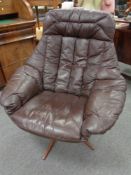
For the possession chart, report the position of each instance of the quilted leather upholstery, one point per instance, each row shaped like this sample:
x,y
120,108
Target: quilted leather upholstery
x,y
56,115
71,87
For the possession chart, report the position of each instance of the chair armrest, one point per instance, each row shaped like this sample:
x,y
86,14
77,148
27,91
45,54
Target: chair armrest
x,y
104,105
23,85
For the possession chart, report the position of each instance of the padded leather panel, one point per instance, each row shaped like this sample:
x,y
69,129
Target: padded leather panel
x,y
76,45
54,115
71,64
80,24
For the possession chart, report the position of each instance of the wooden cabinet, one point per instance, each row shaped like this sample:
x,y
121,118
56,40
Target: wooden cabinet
x,y
52,3
123,45
17,54
17,36
2,79
6,7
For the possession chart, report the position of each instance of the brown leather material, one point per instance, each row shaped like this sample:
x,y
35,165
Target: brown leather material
x,y
80,24
24,84
104,106
52,114
71,87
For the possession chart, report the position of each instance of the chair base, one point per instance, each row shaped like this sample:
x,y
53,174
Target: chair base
x,y
49,148
87,143
53,142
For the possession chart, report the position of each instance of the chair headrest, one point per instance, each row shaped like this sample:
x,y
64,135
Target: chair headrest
x,y
79,23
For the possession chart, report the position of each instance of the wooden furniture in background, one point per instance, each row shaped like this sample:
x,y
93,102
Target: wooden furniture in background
x,y
46,3
17,36
2,79
122,38
51,3
123,44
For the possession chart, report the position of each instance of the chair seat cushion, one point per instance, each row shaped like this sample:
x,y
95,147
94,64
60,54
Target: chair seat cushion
x,y
53,115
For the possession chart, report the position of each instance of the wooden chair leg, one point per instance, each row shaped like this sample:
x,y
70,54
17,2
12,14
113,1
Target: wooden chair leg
x,y
49,148
89,144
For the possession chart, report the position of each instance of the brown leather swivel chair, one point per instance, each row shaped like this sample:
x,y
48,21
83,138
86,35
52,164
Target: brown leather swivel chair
x,y
71,87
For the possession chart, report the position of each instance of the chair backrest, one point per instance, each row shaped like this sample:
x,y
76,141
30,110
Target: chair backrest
x,y
79,44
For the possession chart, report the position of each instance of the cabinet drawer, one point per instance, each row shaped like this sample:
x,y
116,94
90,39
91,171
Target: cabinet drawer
x,y
17,35
11,69
15,52
8,71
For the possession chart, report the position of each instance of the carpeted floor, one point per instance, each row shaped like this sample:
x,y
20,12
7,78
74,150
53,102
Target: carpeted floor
x,y
20,152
